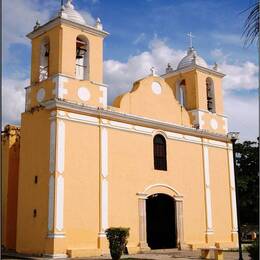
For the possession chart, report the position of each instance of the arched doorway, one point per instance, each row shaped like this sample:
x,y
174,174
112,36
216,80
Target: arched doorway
x,y
160,217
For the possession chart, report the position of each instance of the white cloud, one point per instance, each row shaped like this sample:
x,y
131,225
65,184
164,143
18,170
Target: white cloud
x,y
13,100
217,53
120,76
240,76
228,38
243,114
141,37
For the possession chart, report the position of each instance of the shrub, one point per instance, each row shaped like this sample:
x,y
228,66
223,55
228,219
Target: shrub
x,y
253,250
117,238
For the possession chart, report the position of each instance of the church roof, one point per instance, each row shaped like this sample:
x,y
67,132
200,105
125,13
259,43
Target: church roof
x,y
68,12
192,58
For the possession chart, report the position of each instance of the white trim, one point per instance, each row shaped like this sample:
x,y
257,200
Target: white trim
x,y
51,203
207,188
161,185
104,204
121,125
83,118
60,146
59,91
225,126
52,146
56,235
104,152
103,98
232,190
60,203
132,119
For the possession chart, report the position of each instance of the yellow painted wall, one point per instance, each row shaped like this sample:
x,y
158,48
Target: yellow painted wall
x,y
10,151
34,161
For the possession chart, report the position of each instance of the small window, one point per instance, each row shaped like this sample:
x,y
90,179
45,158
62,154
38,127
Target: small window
x,y
180,93
159,151
81,59
210,95
44,60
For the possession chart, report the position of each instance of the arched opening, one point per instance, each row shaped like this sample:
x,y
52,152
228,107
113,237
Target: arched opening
x,y
210,95
159,152
44,59
82,57
161,223
180,92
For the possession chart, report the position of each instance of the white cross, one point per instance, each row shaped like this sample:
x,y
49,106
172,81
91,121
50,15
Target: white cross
x,y
190,36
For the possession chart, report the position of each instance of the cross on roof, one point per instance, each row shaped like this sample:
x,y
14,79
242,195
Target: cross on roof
x,y
190,36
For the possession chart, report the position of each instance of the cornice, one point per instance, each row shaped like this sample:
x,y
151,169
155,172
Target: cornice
x,y
59,21
193,67
131,119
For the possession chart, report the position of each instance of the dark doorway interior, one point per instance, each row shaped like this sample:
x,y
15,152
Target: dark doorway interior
x,y
161,228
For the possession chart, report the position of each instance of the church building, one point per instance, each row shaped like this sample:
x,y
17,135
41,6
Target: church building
x,y
158,160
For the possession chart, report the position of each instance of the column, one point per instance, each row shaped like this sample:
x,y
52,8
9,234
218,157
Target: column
x,y
234,230
179,221
102,241
56,179
142,222
209,226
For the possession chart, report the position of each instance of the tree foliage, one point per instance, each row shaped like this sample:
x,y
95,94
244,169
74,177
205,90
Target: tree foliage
x,y
247,160
251,26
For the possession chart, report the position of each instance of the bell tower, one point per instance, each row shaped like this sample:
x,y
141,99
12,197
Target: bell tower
x,y
198,90
67,60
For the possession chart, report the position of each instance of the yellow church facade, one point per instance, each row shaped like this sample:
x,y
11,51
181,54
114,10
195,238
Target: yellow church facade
x,y
158,160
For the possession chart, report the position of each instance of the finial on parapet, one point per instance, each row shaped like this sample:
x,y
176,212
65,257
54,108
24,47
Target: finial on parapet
x,y
153,71
169,68
99,25
215,67
37,25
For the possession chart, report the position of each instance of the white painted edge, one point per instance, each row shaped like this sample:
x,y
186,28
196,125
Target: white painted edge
x,y
59,91
51,203
60,203
83,118
103,99
104,204
207,188
60,146
52,146
121,125
104,152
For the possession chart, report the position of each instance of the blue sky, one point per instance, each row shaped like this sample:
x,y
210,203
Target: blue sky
x,y
148,33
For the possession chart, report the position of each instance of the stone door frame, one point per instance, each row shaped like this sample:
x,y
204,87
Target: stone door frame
x,y
143,196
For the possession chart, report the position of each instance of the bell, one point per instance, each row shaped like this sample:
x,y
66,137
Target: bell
x,y
80,53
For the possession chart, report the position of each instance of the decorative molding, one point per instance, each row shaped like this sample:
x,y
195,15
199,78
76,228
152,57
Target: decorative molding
x,y
207,189
225,126
40,95
52,146
214,124
58,21
156,88
60,203
160,185
83,118
121,125
104,152
56,235
103,98
142,129
59,91
51,203
104,203
84,93
232,190
60,146
133,119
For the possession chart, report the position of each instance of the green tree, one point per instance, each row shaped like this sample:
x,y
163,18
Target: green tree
x,y
247,160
